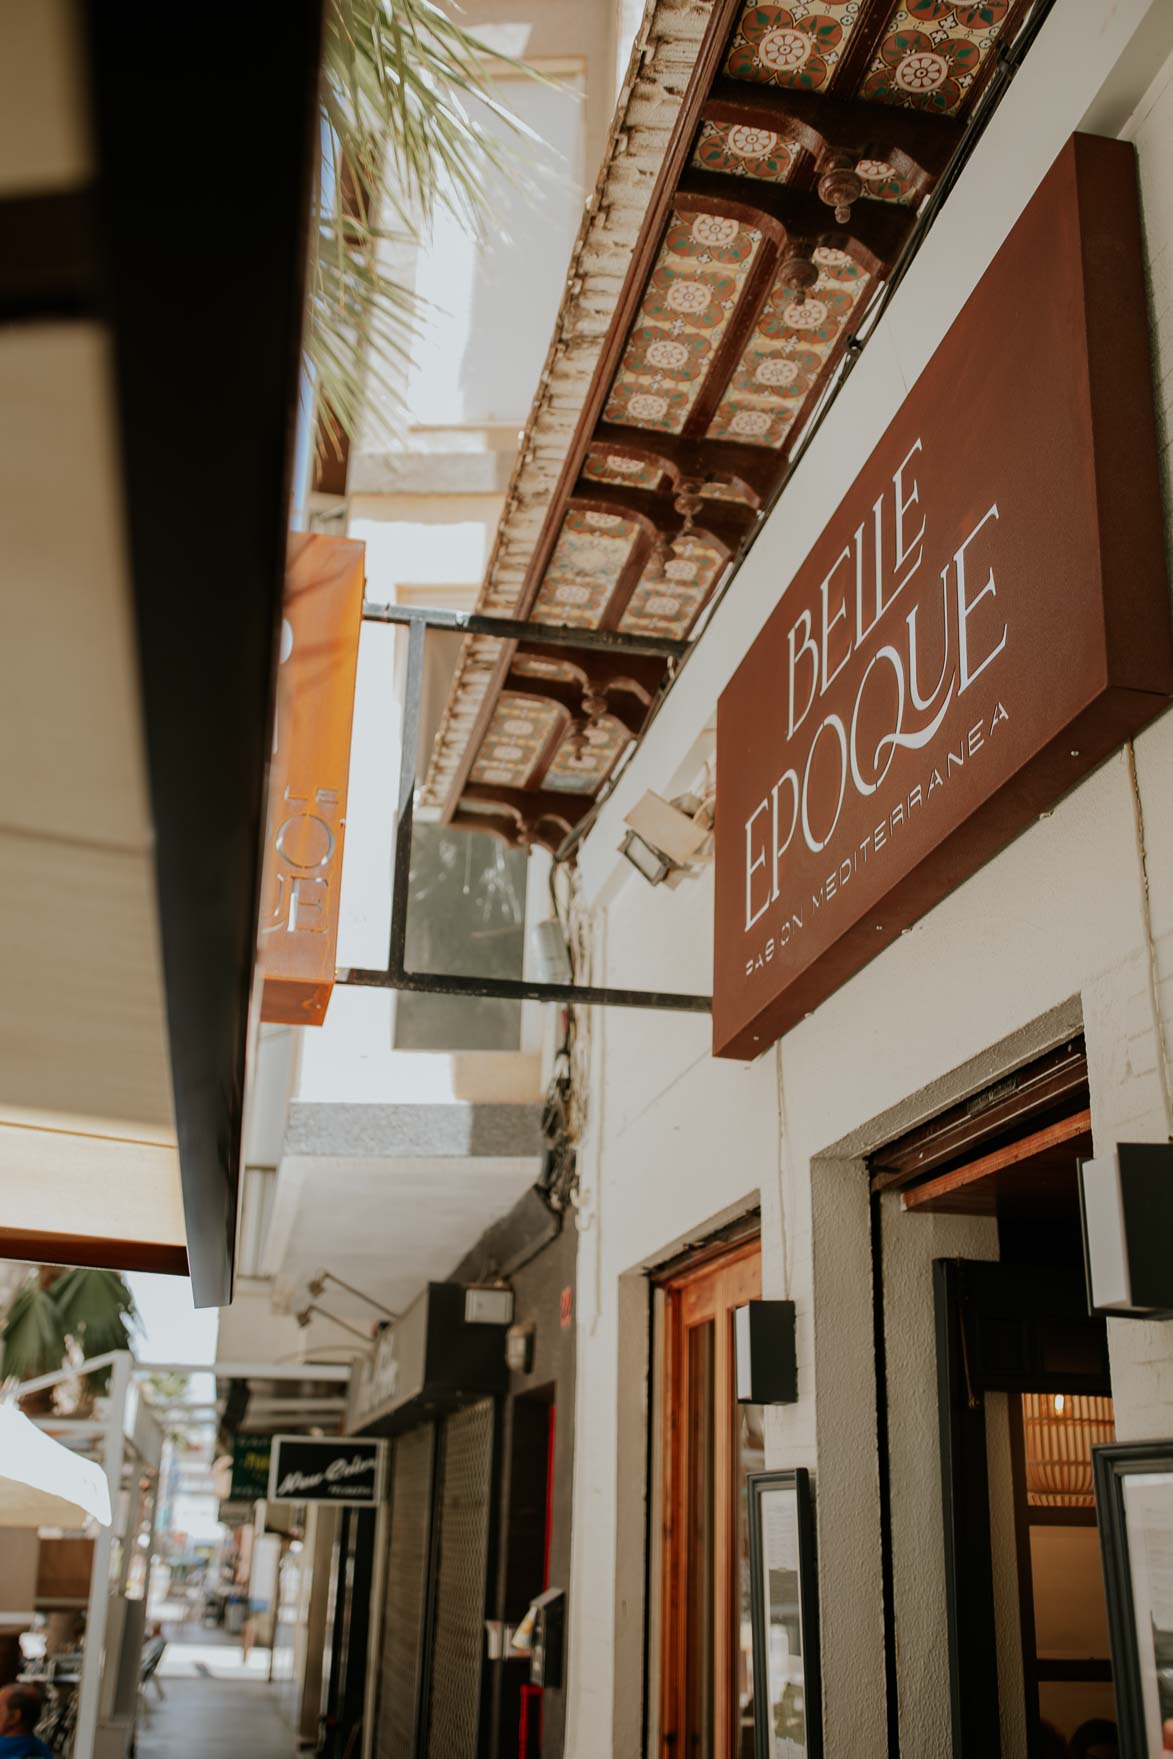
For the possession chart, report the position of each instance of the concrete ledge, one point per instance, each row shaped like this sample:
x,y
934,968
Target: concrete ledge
x,y
413,1132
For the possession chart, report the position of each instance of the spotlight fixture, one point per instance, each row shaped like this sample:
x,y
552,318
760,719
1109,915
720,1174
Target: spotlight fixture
x,y
651,862
667,837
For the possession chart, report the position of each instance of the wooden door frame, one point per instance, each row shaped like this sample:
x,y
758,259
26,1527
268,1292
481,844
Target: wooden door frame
x,y
703,1290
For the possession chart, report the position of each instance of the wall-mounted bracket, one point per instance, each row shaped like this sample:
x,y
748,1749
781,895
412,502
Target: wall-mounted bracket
x,y
419,620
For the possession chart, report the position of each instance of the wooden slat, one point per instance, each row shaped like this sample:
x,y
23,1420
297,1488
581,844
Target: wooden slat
x,y
923,1196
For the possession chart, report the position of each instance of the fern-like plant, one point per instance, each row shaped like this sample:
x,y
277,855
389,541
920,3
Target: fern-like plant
x,y
402,85
57,1311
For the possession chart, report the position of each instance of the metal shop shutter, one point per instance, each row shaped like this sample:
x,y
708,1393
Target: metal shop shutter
x,y
459,1635
406,1593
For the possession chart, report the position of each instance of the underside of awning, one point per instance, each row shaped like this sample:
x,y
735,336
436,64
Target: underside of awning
x,y
154,188
764,184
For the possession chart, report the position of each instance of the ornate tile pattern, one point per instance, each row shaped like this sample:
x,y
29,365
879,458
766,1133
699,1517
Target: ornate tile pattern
x,y
798,45
581,771
631,473
727,492
671,592
786,352
739,151
931,51
534,666
694,290
515,739
589,557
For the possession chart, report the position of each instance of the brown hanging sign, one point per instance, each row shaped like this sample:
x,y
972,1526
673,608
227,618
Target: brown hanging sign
x,y
308,777
983,622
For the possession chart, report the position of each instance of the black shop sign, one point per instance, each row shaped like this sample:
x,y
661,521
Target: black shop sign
x,y
334,1469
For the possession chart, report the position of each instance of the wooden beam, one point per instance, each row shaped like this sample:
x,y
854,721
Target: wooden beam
x,y
757,467
642,676
532,805
723,521
874,236
913,142
926,1195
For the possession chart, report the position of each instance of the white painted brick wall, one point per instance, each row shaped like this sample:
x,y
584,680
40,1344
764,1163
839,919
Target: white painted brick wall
x,y
677,1140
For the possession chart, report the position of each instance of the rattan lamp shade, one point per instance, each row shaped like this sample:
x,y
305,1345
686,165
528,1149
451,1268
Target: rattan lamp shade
x,y
1060,1431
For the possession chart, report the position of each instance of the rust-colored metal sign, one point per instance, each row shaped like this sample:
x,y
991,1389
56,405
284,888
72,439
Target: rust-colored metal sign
x,y
984,621
308,778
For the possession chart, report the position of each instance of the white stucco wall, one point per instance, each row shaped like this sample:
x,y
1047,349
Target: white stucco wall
x,y
1050,932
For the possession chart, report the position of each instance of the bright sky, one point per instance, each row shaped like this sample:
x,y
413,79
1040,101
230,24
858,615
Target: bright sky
x,y
174,1330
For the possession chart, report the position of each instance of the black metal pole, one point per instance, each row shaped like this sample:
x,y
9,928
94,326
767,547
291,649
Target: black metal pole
x,y
517,629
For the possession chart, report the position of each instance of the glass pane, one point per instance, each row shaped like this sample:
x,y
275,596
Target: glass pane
x,y
749,1456
701,1510
465,916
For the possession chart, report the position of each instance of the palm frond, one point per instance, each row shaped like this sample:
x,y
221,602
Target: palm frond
x,y
97,1309
404,93
33,1338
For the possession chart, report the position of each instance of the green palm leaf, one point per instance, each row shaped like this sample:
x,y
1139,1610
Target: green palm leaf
x,y
403,90
98,1312
34,1338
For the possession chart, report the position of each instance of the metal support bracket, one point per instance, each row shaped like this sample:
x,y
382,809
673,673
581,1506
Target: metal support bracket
x,y
397,976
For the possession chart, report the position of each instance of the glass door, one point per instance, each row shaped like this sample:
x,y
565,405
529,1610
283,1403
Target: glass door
x,y
710,1443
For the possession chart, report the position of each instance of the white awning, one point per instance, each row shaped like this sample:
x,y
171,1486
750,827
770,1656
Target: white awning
x,y
43,1484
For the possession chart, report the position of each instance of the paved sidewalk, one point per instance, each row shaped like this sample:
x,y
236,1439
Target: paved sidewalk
x,y
214,1707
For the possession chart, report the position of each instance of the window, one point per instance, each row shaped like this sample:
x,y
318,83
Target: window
x,y
465,916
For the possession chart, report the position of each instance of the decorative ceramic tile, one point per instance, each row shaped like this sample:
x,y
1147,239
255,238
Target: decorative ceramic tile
x,y
739,151
579,769
931,51
631,473
589,557
883,183
797,45
534,666
728,492
515,739
693,292
671,592
790,345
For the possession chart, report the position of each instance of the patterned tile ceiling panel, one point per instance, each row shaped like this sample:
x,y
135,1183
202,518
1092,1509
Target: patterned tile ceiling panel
x,y
671,592
788,349
579,766
796,46
520,731
631,473
739,151
931,52
693,292
717,491
592,551
845,114
534,666
926,56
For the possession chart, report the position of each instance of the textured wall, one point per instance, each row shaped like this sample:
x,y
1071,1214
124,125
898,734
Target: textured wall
x,y
1047,935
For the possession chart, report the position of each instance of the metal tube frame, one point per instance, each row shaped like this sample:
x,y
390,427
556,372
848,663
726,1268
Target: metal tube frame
x,y
419,620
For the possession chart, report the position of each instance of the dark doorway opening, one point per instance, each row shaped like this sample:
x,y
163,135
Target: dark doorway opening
x,y
1024,1392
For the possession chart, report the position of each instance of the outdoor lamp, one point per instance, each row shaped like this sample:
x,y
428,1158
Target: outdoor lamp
x,y
1126,1210
645,859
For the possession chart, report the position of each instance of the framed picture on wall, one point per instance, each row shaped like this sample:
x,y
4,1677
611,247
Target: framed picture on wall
x,y
784,1608
1134,1502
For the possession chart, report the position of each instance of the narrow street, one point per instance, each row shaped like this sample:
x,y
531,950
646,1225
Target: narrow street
x,y
211,1704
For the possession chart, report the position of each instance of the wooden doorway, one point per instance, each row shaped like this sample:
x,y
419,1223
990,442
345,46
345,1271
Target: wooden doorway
x,y
710,1444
